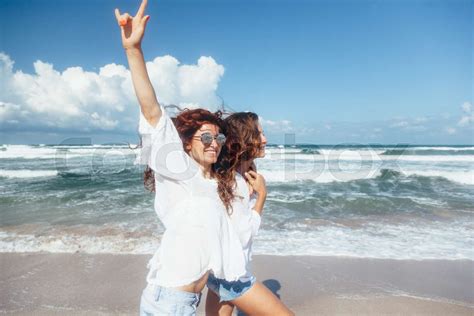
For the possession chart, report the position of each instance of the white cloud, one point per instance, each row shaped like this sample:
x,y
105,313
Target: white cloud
x,y
103,122
466,107
282,126
195,82
7,110
77,99
399,124
468,116
421,119
416,128
465,120
410,124
450,130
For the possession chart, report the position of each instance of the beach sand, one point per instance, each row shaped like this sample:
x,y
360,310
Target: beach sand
x,y
103,284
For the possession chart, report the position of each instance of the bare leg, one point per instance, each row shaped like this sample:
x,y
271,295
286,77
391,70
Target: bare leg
x,y
215,308
259,301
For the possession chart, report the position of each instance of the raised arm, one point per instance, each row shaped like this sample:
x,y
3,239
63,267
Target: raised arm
x,y
133,30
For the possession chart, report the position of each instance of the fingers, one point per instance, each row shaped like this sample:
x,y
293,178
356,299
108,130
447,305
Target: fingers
x,y
144,20
249,177
125,18
141,9
253,173
122,19
117,14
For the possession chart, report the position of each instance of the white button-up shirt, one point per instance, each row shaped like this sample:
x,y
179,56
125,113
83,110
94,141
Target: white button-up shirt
x,y
199,235
246,221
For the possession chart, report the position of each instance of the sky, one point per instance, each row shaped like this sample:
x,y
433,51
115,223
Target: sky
x,y
326,72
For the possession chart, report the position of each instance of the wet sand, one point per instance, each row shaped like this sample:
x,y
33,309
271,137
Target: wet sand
x,y
103,284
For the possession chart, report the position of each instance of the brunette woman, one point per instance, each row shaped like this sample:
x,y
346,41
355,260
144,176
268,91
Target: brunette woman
x,y
245,197
199,235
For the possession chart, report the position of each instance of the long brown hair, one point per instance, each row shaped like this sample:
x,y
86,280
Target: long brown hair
x,y
243,144
187,123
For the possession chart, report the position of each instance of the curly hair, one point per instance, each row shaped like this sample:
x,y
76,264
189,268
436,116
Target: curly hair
x,y
187,123
243,144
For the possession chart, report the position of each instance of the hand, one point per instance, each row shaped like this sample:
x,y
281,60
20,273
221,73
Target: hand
x,y
257,181
132,28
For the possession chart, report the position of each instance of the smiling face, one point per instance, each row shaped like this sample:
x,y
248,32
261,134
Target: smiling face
x,y
205,155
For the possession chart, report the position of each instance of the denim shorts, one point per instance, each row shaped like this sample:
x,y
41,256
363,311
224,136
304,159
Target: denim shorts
x,y
226,290
157,300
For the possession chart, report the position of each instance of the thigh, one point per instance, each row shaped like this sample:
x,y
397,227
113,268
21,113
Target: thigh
x,y
216,308
259,300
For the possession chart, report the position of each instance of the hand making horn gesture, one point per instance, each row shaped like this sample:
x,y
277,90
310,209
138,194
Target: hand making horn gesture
x,y
133,28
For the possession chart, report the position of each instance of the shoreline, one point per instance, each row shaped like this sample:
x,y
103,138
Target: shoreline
x,y
111,284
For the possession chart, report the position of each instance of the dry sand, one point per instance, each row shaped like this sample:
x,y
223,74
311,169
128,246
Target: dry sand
x,y
84,284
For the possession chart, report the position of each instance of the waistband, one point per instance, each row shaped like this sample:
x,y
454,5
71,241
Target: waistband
x,y
184,297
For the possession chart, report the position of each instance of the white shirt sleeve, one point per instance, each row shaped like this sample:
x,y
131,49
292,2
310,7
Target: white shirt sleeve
x,y
255,218
162,149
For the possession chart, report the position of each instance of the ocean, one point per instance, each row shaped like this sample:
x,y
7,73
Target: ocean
x,y
377,201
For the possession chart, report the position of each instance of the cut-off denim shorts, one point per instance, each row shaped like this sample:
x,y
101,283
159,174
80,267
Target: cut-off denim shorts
x,y
157,300
226,290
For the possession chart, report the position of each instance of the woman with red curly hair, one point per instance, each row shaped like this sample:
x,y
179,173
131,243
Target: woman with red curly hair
x,y
199,235
245,195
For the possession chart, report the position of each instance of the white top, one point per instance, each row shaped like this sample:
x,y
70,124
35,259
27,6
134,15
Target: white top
x,y
199,235
246,221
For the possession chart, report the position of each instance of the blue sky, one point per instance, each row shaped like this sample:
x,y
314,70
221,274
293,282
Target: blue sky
x,y
326,71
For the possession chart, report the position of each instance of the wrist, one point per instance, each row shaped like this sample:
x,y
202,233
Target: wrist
x,y
132,50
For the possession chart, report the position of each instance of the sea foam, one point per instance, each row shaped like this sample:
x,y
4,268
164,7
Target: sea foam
x,y
28,173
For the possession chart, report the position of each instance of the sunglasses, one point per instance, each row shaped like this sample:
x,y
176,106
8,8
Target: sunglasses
x,y
207,138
